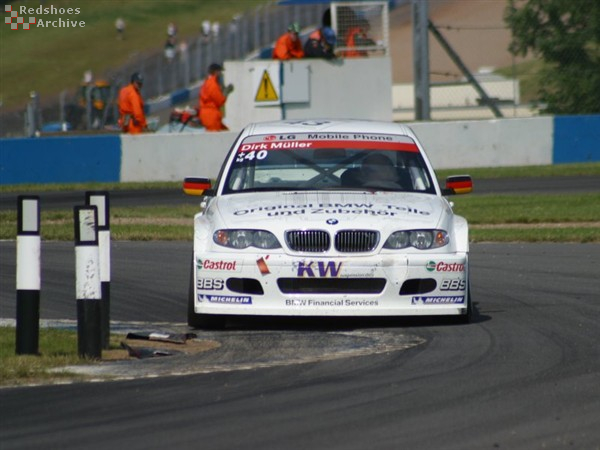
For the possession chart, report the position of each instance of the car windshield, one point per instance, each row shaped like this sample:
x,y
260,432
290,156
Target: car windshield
x,y
323,161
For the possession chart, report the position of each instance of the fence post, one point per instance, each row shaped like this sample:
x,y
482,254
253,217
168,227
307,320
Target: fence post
x,y
420,14
62,102
31,118
87,284
256,29
88,107
28,275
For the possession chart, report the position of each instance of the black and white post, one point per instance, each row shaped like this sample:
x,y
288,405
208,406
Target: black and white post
x,y
28,275
100,199
87,283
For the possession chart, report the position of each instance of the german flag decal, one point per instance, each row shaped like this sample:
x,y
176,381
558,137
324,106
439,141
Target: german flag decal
x,y
462,184
196,186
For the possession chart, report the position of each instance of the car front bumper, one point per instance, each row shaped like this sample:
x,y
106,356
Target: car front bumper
x,y
284,285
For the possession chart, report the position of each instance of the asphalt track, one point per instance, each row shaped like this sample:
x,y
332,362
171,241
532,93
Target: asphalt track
x,y
524,375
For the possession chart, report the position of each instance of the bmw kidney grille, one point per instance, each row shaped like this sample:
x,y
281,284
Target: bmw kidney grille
x,y
345,241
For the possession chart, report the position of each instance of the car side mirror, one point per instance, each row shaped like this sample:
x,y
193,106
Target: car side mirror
x,y
197,186
458,184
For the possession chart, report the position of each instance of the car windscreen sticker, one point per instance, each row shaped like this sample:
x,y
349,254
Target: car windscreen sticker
x,y
341,209
323,141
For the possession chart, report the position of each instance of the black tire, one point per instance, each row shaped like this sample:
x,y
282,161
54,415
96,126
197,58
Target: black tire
x,y
204,321
468,316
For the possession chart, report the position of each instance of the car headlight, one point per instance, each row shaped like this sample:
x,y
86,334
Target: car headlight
x,y
246,238
420,239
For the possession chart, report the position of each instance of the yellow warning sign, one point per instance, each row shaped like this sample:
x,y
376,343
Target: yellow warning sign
x,y
266,90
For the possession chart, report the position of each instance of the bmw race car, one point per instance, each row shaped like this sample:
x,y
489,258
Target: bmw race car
x,y
328,218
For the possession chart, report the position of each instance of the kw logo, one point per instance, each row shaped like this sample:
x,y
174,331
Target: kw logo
x,y
321,269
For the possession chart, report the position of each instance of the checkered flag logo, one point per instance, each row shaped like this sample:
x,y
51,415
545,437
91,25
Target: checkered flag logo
x,y
14,20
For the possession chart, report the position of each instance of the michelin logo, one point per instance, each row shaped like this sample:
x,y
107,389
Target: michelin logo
x,y
231,299
450,300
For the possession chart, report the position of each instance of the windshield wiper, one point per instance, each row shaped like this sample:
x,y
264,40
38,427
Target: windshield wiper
x,y
271,189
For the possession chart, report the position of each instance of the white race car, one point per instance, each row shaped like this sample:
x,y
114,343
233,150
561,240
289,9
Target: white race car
x,y
328,218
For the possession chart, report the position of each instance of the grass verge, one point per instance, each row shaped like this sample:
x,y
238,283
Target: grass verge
x,y
493,218
58,348
555,170
63,54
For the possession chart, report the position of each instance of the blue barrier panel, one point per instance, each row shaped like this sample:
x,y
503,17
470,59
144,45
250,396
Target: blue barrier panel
x,y
64,159
576,139
180,96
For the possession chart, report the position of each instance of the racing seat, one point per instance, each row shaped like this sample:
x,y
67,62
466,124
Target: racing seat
x,y
351,177
404,178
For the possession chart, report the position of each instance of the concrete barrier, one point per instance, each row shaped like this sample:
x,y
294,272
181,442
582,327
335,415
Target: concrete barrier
x,y
351,88
487,143
171,157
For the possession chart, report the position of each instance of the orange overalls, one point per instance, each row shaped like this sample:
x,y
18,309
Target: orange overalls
x,y
287,48
131,110
211,101
350,42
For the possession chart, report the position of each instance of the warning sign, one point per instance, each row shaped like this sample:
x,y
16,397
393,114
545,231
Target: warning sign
x,y
266,91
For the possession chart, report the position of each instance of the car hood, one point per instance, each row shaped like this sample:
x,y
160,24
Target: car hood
x,y
309,209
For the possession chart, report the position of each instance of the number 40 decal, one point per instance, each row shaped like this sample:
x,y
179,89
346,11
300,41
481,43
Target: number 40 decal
x,y
249,156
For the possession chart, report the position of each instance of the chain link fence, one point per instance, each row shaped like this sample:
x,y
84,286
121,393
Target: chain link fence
x,y
246,36
472,73
478,35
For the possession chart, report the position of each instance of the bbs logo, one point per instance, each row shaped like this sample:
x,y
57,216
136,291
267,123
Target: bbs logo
x,y
210,284
455,284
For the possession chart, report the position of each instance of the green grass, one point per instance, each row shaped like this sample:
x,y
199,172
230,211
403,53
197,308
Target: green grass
x,y
577,169
528,74
137,223
57,348
535,235
561,214
493,218
175,223
528,209
52,187
555,170
531,218
48,60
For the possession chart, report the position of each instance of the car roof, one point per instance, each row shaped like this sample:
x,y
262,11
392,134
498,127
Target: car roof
x,y
327,126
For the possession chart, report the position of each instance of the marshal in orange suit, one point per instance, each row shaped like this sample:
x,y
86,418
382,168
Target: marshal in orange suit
x,y
212,99
132,118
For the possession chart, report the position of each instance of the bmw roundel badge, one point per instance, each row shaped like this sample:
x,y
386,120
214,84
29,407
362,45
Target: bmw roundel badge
x,y
332,221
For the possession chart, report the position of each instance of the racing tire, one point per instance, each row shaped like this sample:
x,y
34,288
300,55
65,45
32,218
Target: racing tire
x,y
468,317
201,321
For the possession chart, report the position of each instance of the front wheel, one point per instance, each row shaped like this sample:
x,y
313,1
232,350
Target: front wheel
x,y
468,316
205,321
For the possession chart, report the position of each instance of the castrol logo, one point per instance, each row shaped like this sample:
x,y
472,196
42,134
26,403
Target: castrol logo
x,y
209,264
441,266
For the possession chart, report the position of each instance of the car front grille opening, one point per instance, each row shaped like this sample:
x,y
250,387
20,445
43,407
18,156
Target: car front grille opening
x,y
418,286
331,285
245,286
310,241
345,241
356,241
